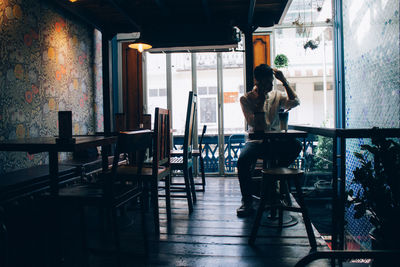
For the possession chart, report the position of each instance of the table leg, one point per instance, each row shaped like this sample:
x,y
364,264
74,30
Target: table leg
x,y
334,193
342,190
105,151
55,256
53,171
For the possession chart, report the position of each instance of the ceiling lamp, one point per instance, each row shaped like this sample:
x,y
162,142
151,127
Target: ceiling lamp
x,y
140,45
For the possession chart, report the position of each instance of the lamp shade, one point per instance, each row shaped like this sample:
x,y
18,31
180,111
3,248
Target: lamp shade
x,y
139,45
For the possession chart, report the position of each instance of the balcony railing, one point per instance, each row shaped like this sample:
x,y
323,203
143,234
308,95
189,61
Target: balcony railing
x,y
233,144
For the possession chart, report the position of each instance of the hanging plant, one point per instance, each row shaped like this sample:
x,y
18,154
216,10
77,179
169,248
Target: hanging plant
x,y
300,28
281,61
312,44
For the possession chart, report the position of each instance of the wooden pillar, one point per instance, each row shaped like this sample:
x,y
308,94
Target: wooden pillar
x,y
249,55
106,82
132,84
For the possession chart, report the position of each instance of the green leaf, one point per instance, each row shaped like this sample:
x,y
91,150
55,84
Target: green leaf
x,y
359,155
351,192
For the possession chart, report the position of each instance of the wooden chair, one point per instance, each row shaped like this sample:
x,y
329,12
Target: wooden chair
x,y
198,154
160,165
185,162
113,191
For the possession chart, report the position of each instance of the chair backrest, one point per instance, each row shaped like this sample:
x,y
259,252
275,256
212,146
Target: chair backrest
x,y
202,136
190,116
162,140
131,142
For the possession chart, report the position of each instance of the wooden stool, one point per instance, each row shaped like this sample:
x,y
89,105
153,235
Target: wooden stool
x,y
270,176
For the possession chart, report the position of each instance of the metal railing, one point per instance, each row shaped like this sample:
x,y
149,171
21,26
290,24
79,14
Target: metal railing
x,y
233,144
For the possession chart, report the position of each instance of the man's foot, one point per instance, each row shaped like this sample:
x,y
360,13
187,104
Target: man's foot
x,y
245,210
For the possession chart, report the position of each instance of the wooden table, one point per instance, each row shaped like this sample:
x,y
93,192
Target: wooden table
x,y
277,134
274,135
339,137
49,145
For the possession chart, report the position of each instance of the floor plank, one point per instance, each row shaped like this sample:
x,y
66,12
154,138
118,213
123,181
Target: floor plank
x,y
211,236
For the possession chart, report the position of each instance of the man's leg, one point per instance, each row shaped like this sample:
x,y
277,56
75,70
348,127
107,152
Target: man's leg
x,y
246,162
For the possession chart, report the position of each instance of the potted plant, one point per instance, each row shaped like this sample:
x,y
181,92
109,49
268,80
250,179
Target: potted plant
x,y
281,61
378,196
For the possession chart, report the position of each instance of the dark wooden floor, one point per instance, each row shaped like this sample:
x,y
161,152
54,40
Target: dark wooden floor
x,y
211,236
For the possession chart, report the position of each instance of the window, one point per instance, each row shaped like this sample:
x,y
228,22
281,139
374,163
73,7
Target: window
x,y
241,89
156,82
157,92
212,90
153,92
208,110
306,71
281,88
202,90
162,92
181,85
319,86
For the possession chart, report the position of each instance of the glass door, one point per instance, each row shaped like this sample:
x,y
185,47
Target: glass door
x,y
234,124
207,109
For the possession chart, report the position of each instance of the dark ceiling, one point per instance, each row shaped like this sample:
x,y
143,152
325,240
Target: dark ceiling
x,y
178,22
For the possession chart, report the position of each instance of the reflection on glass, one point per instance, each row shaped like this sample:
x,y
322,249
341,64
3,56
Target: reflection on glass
x,y
207,84
310,73
208,110
181,85
156,82
233,89
308,11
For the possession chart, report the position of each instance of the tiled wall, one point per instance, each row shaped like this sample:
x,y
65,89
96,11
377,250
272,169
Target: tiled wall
x,y
48,62
372,77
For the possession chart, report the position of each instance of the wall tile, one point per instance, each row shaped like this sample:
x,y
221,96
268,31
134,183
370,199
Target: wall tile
x,y
49,62
372,78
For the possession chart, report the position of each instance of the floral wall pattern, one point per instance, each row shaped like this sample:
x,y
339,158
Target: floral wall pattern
x,y
49,62
372,79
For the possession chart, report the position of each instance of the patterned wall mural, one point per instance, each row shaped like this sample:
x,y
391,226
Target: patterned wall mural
x,y
372,78
49,62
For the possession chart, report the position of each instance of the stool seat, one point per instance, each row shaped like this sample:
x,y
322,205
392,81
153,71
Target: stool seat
x,y
283,175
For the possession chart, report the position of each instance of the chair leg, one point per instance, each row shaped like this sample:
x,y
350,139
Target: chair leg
x,y
284,192
192,185
203,175
116,234
187,189
146,195
3,239
83,236
168,196
154,203
144,227
257,220
307,222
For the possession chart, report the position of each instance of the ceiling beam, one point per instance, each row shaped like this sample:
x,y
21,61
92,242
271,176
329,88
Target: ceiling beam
x,y
250,16
164,9
284,11
123,11
207,11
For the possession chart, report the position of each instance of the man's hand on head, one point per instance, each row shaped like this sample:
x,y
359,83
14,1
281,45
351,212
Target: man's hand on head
x,y
279,75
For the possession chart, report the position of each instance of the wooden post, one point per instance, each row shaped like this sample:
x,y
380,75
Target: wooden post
x,y
249,55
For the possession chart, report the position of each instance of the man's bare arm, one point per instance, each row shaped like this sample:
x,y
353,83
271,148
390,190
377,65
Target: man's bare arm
x,y
289,91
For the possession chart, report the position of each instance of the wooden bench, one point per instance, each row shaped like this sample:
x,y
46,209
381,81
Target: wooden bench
x,y
28,181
